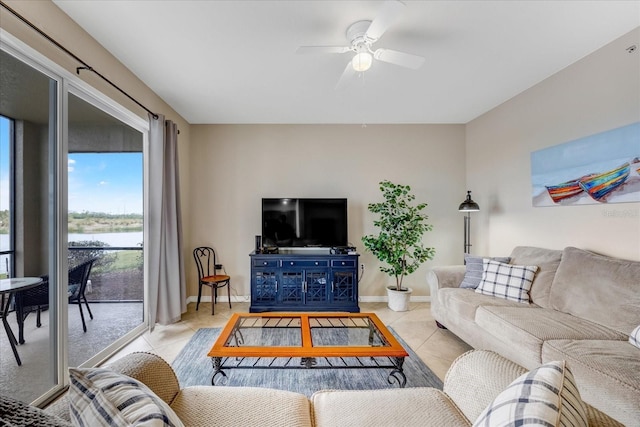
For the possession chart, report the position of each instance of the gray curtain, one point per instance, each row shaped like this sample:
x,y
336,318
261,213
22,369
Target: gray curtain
x,y
167,291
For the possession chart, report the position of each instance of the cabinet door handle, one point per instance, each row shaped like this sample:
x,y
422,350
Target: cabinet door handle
x,y
316,262
332,287
265,263
343,263
276,286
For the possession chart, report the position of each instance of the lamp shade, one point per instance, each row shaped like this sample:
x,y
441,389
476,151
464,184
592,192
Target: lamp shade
x,y
468,205
362,61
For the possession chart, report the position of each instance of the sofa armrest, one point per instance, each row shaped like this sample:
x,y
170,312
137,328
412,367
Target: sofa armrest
x,y
147,368
445,277
152,370
476,377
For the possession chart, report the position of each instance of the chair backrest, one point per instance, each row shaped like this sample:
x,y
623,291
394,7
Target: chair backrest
x,y
79,276
206,261
39,296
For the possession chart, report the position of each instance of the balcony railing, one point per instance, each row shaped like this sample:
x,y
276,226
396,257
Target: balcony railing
x,y
116,276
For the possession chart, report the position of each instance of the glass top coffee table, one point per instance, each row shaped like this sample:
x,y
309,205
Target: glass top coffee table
x,y
307,341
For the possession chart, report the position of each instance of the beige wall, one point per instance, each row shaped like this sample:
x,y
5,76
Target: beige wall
x,y
234,166
598,93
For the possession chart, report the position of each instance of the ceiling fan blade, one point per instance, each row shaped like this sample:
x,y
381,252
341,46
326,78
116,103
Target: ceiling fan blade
x,y
322,49
388,13
399,58
346,77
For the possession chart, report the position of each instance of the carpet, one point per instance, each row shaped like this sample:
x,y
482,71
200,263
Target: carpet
x,y
193,367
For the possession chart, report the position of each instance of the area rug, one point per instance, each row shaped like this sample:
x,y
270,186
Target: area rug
x,y
193,367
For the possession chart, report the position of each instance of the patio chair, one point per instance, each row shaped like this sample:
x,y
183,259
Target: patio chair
x,y
208,274
37,299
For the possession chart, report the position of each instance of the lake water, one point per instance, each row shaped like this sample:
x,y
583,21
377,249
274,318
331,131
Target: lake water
x,y
132,239
128,239
112,239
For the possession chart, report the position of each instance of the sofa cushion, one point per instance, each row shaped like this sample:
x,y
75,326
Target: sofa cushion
x,y
507,281
547,261
598,288
241,406
474,268
16,413
547,395
522,330
607,372
419,407
465,302
102,397
634,338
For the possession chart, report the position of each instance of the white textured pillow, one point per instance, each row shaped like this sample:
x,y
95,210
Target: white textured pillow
x,y
474,268
507,281
634,338
547,395
102,397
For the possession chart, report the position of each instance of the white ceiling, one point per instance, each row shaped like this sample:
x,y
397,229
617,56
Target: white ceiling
x,y
236,61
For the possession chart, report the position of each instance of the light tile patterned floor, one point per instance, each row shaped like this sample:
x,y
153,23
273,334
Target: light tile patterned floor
x,y
436,347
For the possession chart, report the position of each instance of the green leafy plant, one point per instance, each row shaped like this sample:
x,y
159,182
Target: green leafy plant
x,y
402,225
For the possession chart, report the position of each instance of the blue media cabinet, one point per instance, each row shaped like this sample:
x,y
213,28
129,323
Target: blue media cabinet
x,y
304,282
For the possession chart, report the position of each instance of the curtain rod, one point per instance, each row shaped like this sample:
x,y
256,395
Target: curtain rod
x,y
84,66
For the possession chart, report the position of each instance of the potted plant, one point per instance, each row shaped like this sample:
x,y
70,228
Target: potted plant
x,y
398,245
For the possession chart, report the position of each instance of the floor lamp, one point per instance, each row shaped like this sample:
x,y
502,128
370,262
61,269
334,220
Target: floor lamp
x,y
468,206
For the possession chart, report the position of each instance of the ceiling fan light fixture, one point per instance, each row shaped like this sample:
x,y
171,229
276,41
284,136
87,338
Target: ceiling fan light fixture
x,y
362,61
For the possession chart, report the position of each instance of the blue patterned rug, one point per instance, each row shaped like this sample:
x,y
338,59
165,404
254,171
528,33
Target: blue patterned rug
x,y
193,367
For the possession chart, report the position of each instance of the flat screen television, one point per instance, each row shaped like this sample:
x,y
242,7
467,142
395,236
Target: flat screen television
x,y
304,222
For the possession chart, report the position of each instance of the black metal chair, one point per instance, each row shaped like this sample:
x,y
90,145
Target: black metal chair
x,y
208,274
78,278
37,299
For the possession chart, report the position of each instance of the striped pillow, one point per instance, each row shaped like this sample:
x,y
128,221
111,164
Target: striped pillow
x,y
547,395
634,338
507,281
474,268
102,397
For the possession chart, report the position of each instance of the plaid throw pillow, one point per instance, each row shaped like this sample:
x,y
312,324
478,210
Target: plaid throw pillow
x,y
507,281
102,397
546,396
474,268
634,338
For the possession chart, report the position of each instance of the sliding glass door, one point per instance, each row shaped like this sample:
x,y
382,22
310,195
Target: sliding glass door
x,y
71,196
29,203
105,225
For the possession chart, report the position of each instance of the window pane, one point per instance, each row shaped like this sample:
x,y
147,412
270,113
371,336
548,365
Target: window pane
x,y
28,193
105,224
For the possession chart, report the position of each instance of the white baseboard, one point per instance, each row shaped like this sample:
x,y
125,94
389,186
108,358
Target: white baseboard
x,y
221,298
246,298
424,298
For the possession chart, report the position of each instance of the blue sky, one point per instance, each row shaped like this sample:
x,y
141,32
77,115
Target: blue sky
x,y
105,182
98,182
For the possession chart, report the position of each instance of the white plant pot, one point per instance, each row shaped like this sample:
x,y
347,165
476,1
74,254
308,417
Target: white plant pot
x,y
399,300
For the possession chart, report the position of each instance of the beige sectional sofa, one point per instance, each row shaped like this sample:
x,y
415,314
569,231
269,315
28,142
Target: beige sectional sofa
x,y
583,308
471,384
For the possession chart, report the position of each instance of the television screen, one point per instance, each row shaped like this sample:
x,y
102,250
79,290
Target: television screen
x,y
304,222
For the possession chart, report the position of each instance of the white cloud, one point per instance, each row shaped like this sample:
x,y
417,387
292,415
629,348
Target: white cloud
x,y
103,183
70,165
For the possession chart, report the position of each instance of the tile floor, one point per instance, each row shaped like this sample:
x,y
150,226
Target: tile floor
x,y
436,347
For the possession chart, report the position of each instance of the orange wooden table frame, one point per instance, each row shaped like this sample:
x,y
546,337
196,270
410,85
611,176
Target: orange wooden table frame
x,y
307,352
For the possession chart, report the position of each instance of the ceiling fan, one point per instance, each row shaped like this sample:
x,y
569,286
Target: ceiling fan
x,y
361,36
